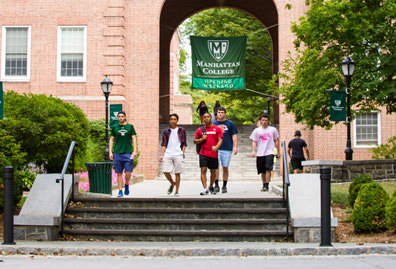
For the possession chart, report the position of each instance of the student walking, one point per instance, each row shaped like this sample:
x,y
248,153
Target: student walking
x,y
295,150
264,139
122,150
211,138
202,109
228,147
173,146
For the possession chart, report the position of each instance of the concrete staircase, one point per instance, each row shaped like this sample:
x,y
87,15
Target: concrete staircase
x,y
242,166
256,217
177,219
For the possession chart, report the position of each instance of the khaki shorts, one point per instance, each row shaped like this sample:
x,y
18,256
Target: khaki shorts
x,y
173,164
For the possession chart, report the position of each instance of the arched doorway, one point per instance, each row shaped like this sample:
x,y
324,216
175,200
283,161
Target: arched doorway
x,y
174,12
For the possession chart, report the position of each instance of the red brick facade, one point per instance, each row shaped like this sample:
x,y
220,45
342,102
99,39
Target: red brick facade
x,y
124,41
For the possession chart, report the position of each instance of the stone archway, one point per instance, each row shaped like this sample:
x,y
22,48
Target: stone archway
x,y
174,12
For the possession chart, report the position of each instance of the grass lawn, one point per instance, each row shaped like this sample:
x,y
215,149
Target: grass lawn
x,y
339,192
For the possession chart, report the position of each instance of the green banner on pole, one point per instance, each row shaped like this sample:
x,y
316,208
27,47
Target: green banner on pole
x,y
114,109
337,106
1,101
218,63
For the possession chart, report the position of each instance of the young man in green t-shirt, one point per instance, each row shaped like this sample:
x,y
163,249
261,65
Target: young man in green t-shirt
x,y
122,150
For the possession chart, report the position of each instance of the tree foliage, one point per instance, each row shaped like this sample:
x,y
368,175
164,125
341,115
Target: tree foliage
x,y
227,22
329,31
45,127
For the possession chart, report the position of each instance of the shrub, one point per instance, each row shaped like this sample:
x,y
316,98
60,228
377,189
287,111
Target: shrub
x,y
356,185
368,213
45,127
10,155
390,212
385,151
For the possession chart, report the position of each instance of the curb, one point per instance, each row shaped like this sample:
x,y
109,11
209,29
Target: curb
x,y
191,252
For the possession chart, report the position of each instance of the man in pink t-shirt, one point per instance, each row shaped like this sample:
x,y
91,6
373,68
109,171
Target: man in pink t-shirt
x,y
264,139
208,155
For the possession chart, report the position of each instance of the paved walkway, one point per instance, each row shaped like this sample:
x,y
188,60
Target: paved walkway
x,y
190,188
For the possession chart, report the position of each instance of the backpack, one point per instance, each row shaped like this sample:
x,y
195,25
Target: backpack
x,y
201,144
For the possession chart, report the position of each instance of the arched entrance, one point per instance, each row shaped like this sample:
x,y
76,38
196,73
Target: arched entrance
x,y
174,12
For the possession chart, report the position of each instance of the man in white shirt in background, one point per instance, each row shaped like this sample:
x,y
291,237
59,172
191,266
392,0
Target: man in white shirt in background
x,y
264,139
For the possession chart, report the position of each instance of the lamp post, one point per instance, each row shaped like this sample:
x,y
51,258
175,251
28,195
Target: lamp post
x,y
268,104
107,85
348,67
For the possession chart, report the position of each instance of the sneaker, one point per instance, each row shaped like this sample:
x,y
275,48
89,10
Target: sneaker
x,y
264,189
119,194
126,191
212,190
204,192
170,190
217,188
176,194
224,189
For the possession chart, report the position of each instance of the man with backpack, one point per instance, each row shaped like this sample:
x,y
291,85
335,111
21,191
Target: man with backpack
x,y
210,138
173,146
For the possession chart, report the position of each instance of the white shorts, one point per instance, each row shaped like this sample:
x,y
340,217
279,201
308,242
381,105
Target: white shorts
x,y
173,164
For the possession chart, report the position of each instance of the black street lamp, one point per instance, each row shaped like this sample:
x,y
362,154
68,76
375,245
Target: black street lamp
x,y
107,85
348,67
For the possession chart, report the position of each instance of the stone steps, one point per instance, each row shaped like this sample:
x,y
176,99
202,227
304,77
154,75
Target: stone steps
x,y
177,219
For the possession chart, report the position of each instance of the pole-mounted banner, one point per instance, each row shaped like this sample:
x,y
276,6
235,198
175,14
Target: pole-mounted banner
x,y
218,63
114,109
1,101
337,106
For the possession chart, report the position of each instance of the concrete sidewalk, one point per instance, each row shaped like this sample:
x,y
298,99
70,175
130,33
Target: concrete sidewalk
x,y
190,189
189,249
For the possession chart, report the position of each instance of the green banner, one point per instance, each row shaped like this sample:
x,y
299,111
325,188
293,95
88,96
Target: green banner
x,y
114,109
218,63
1,101
337,106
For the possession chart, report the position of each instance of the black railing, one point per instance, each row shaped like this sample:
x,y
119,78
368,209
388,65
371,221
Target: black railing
x,y
70,154
286,184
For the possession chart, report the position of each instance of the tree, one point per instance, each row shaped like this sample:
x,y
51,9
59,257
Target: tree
x,y
331,30
226,22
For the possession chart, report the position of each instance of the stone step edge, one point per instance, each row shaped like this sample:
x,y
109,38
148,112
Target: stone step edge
x,y
221,249
174,221
178,210
206,233
178,199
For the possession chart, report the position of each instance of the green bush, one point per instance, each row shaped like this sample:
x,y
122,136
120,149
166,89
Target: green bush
x,y
368,213
390,212
356,185
385,151
10,155
44,127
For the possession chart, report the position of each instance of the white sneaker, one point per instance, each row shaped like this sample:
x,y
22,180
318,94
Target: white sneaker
x,y
204,192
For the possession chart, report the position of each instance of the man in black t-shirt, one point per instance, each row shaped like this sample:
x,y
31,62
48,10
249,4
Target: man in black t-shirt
x,y
296,147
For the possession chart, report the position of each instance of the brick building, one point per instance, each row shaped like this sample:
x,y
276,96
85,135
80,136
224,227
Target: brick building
x,y
65,48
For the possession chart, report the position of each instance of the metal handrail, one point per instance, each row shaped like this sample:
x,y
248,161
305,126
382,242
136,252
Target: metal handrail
x,y
70,154
286,184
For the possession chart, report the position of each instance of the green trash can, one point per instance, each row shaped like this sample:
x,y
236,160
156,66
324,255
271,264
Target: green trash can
x,y
99,175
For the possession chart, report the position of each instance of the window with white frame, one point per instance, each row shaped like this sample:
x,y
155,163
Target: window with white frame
x,y
15,63
367,130
71,54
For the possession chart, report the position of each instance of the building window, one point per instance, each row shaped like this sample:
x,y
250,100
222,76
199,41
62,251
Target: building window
x,y
71,54
15,65
367,130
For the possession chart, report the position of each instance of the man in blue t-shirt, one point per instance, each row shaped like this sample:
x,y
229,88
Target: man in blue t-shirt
x,y
229,146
